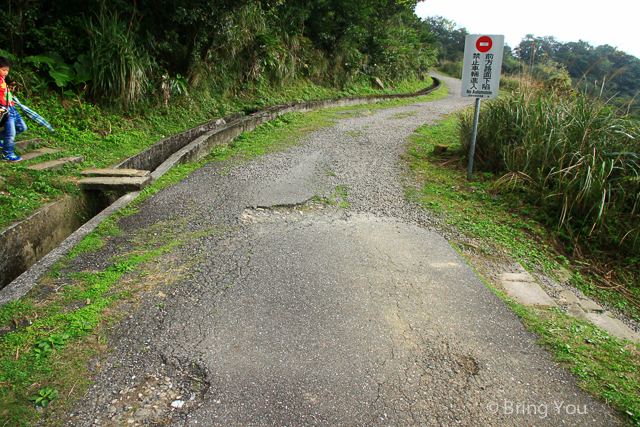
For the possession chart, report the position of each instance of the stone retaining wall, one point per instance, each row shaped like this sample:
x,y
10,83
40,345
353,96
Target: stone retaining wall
x,y
24,243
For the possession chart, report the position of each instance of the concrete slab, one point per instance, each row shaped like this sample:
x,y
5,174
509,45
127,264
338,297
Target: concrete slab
x,y
570,297
25,144
39,152
115,172
517,277
528,293
614,326
56,164
589,305
574,310
115,183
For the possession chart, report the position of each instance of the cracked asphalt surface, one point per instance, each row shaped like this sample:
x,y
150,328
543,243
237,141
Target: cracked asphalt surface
x,y
323,314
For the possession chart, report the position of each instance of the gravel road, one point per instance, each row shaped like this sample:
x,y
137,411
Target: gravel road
x,y
286,311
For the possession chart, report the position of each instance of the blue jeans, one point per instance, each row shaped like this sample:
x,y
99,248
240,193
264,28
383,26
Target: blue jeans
x,y
14,126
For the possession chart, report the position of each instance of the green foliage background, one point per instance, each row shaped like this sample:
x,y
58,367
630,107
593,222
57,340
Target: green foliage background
x,y
129,51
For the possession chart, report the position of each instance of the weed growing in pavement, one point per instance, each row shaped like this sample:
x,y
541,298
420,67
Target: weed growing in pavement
x,y
403,115
505,224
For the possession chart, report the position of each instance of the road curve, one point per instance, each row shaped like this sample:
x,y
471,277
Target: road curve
x,y
346,314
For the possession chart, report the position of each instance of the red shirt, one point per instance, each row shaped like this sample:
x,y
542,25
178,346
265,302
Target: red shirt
x,y
4,93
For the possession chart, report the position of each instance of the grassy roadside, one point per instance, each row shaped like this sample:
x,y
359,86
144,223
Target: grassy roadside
x,y
106,135
52,341
494,226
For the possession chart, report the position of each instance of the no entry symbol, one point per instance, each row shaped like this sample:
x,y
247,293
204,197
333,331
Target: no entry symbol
x,y
484,44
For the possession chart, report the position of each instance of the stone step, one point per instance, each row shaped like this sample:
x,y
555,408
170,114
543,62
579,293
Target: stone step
x,y
39,152
25,144
522,288
56,164
528,293
111,183
615,327
588,305
570,297
517,277
115,172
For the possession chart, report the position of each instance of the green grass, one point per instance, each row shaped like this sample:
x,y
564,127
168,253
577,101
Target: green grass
x,y
503,223
606,367
76,317
403,115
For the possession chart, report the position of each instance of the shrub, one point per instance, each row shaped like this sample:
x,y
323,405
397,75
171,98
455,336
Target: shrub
x,y
451,68
576,155
118,66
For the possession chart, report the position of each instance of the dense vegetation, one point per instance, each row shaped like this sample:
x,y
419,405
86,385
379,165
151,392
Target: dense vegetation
x,y
130,51
572,155
564,136
601,69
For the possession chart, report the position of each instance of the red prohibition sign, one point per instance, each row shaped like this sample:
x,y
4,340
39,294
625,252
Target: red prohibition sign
x,y
484,44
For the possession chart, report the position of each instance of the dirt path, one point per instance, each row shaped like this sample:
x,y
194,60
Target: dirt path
x,y
352,313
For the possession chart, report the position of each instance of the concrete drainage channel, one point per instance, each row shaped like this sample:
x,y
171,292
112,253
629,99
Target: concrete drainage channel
x,y
29,248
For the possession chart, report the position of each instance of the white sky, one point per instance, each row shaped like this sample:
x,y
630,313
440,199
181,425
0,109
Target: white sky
x,y
612,22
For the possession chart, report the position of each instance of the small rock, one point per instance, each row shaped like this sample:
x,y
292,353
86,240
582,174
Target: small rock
x,y
177,404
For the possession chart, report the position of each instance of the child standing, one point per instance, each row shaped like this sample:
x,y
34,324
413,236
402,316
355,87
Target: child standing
x,y
14,124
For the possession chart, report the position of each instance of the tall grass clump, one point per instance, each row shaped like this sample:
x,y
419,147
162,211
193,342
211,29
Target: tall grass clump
x,y
118,67
574,155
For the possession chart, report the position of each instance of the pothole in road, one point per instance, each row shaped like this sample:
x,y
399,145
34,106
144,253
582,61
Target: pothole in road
x,y
287,214
468,364
158,399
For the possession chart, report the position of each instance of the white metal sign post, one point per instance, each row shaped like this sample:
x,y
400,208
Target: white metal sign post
x,y
480,76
